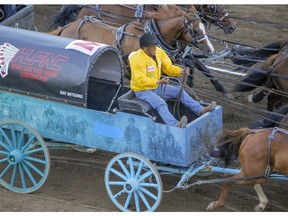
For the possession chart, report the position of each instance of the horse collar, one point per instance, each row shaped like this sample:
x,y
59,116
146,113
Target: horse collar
x,y
151,27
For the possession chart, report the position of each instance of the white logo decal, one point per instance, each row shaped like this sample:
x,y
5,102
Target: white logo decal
x,y
7,52
87,47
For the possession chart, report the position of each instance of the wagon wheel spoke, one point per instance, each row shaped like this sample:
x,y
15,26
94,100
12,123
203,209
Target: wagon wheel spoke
x,y
137,204
4,152
148,193
24,157
23,181
14,175
132,171
3,133
119,174
5,170
125,178
128,200
20,139
144,199
124,168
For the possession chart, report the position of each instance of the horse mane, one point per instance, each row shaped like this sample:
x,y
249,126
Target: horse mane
x,y
229,143
67,15
166,11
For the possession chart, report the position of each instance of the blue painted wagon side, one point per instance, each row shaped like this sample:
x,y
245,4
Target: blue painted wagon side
x,y
120,132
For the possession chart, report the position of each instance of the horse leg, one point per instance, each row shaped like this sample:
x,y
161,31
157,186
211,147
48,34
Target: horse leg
x,y
274,101
225,189
263,201
215,82
221,201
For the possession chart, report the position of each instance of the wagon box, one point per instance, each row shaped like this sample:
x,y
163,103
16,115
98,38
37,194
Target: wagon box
x,y
65,90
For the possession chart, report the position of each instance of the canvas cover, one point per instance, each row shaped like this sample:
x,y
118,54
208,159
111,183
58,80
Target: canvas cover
x,y
54,67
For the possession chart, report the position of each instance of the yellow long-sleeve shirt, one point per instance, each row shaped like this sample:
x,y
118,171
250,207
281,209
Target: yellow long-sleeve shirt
x,y
145,71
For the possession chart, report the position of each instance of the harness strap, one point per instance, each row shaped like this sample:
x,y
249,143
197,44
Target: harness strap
x,y
83,21
2,14
139,12
270,139
119,36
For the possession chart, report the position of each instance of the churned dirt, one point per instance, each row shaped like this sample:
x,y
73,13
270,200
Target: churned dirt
x,y
76,179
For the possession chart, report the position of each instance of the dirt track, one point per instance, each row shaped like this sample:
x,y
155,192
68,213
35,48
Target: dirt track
x,y
76,180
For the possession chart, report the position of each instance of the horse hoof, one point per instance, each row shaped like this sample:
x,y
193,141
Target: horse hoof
x,y
210,207
229,96
259,208
250,98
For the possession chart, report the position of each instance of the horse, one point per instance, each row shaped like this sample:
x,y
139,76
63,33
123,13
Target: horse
x,y
278,118
131,31
261,152
217,15
118,15
168,23
272,73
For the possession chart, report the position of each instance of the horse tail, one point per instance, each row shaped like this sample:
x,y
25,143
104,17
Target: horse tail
x,y
230,142
67,14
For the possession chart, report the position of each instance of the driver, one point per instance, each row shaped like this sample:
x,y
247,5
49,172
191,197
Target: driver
x,y
146,65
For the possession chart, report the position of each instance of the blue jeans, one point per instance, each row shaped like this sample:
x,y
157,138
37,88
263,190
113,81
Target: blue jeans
x,y
155,99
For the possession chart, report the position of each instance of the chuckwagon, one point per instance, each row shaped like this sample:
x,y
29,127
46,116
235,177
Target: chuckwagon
x,y
56,90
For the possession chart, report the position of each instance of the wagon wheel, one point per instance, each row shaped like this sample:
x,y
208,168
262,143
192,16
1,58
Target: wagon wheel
x,y
133,183
24,157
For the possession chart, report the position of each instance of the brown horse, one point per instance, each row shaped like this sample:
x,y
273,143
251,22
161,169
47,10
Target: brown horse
x,y
119,14
108,13
272,75
261,152
168,23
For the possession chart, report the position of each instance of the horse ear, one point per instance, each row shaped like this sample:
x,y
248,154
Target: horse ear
x,y
212,8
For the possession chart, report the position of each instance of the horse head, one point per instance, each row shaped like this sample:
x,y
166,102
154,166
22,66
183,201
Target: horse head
x,y
217,15
194,32
176,25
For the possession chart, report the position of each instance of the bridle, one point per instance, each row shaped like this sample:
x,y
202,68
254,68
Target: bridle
x,y
188,27
214,14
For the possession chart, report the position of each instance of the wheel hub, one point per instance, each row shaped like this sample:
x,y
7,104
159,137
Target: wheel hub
x,y
15,157
131,185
